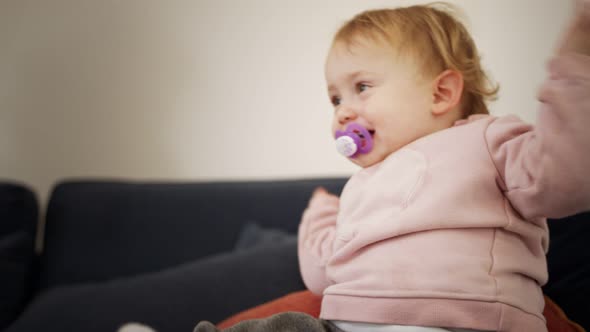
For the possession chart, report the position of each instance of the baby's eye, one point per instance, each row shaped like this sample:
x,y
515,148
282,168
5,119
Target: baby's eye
x,y
335,100
361,87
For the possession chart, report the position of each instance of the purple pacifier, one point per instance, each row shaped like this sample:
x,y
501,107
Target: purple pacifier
x,y
354,140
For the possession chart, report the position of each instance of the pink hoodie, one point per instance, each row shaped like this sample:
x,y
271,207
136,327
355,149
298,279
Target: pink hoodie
x,y
450,231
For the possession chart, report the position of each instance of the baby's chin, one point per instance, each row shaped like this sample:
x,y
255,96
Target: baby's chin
x,y
367,160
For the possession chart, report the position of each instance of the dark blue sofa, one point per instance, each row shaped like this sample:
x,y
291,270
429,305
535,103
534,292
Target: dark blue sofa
x,y
165,254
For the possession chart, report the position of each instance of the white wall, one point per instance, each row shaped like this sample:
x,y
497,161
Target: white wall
x,y
210,89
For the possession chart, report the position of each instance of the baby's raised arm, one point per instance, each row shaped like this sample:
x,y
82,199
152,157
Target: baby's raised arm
x,y
316,236
545,170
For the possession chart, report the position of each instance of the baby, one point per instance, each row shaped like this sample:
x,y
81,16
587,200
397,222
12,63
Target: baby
x,y
444,227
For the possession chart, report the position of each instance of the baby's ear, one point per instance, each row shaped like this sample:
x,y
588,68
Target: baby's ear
x,y
447,89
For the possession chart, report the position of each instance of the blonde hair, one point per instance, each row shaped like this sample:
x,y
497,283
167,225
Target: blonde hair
x,y
433,36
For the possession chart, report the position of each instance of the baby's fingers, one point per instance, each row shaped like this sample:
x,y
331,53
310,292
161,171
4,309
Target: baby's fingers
x,y
576,38
321,196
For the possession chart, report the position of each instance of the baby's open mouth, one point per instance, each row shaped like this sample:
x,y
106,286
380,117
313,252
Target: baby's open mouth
x,y
362,136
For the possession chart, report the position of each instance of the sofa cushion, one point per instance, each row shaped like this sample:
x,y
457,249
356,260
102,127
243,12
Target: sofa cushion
x,y
18,220
254,235
175,299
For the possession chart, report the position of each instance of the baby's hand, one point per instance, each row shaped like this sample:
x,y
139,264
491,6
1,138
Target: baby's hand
x,y
321,196
577,36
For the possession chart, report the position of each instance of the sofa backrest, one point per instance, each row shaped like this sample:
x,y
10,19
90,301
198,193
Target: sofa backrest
x,y
18,224
98,230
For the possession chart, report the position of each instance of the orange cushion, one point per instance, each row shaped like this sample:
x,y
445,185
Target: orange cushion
x,y
307,302
302,301
557,321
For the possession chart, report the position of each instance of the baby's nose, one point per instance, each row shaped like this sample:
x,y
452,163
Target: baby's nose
x,y
346,114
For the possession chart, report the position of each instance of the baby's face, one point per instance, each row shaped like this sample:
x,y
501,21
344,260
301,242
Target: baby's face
x,y
370,85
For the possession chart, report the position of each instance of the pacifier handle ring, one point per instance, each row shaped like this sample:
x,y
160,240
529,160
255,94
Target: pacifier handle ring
x,y
350,141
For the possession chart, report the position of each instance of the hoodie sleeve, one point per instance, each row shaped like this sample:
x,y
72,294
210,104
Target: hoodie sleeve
x,y
316,236
544,170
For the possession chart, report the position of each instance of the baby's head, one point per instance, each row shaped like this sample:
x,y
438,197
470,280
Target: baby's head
x,y
403,74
